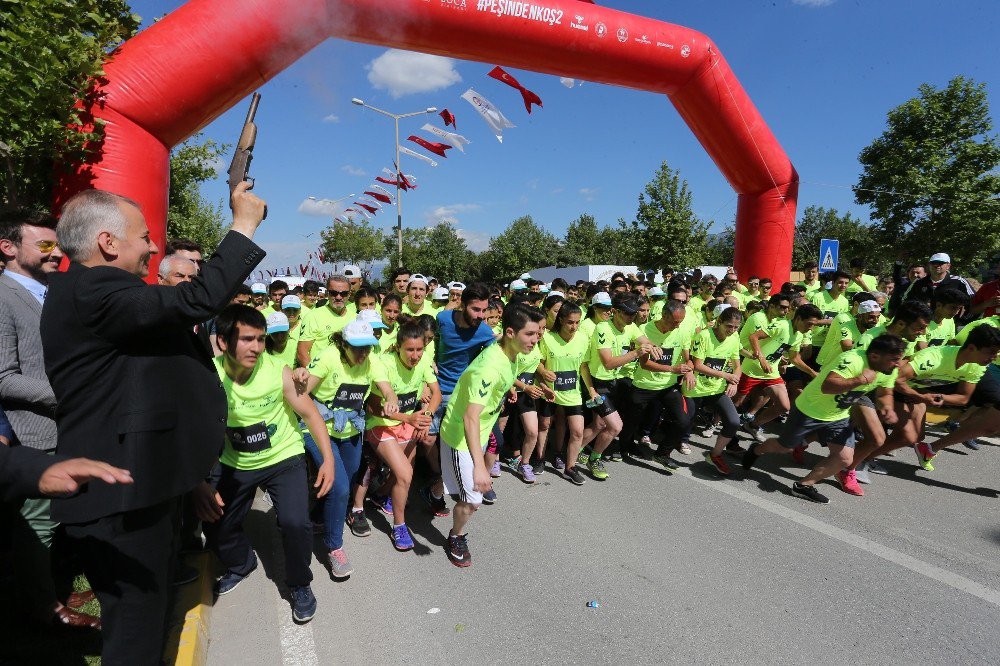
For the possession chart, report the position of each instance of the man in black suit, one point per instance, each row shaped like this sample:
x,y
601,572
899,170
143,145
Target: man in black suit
x,y
27,472
136,389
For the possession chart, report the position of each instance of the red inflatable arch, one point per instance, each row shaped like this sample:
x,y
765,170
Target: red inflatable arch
x,y
184,71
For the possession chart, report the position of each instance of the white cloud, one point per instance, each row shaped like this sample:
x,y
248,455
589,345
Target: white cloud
x,y
532,184
566,81
589,193
813,3
332,118
448,213
405,72
321,207
558,190
477,241
353,170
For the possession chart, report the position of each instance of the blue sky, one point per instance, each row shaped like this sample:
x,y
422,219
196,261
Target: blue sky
x,y
823,73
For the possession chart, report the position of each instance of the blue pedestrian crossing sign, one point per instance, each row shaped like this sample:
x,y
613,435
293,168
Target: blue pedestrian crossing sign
x,y
829,254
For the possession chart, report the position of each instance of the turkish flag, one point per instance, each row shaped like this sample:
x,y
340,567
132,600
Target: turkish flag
x,y
530,98
380,179
370,209
380,197
432,146
449,118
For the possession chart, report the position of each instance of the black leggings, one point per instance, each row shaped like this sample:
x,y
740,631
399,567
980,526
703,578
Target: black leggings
x,y
674,407
722,405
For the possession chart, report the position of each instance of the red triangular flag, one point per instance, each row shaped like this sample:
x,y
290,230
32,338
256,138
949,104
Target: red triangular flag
x,y
529,97
449,118
404,183
370,209
380,179
434,147
302,269
380,197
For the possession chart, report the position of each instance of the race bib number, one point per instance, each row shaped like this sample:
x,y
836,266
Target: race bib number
x,y
566,380
349,396
252,438
849,399
715,363
936,343
408,402
526,378
830,315
667,357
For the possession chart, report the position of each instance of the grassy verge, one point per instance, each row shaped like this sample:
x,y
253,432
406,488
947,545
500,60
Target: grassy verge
x,y
33,643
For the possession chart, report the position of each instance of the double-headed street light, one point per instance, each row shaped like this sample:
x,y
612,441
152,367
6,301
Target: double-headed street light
x,y
399,202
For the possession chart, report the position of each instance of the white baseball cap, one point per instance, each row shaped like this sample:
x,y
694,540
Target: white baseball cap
x,y
518,285
557,293
656,291
940,258
456,285
544,289
359,334
417,277
525,276
372,318
352,271
869,306
258,288
658,279
277,322
440,294
601,298
291,301
431,278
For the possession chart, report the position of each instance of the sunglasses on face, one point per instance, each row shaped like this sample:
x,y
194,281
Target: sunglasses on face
x,y
343,294
46,245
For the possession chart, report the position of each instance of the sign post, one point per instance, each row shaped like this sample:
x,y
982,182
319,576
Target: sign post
x,y
829,255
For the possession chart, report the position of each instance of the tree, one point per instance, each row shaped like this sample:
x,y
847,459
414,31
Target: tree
x,y
856,239
414,240
522,246
444,254
189,214
931,178
353,242
51,54
667,232
586,243
721,247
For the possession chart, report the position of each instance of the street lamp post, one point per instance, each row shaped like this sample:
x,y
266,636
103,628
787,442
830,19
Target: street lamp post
x,y
399,201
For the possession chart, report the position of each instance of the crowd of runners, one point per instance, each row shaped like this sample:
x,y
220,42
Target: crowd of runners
x,y
562,379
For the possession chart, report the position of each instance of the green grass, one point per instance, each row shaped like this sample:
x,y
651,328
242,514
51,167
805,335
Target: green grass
x,y
32,643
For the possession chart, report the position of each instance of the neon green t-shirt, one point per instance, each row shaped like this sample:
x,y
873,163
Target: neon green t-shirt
x,y
755,322
656,308
619,342
811,288
671,346
935,366
963,335
781,337
319,324
485,382
872,333
260,426
287,355
526,364
716,354
428,309
407,383
830,307
831,349
564,359
586,328
939,334
343,386
388,339
870,282
835,407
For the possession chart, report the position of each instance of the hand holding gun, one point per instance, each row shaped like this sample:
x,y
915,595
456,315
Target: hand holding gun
x,y
239,168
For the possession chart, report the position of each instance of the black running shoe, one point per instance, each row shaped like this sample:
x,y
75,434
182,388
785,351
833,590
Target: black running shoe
x,y
750,457
810,493
359,524
574,475
437,505
458,550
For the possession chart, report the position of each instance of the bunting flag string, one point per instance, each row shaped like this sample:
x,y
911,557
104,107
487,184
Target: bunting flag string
x,y
434,147
384,198
489,113
456,140
370,209
449,118
413,153
528,96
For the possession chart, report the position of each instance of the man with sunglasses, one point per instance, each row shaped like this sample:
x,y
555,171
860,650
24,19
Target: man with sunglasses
x,y
319,324
28,245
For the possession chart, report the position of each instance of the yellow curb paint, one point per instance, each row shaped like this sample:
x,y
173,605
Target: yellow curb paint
x,y
188,633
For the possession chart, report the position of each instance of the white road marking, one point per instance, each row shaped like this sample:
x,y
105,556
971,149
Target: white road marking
x,y
949,578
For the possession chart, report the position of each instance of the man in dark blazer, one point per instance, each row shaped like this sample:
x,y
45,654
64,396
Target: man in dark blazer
x,y
136,389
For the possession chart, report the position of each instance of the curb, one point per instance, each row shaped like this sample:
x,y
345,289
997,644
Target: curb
x,y
190,617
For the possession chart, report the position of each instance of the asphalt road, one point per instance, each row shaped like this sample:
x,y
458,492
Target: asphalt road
x,y
686,568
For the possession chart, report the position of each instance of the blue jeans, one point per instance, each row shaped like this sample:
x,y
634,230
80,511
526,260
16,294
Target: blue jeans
x,y
346,460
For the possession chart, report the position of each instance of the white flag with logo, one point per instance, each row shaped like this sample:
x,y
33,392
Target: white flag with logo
x,y
456,140
491,114
412,153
